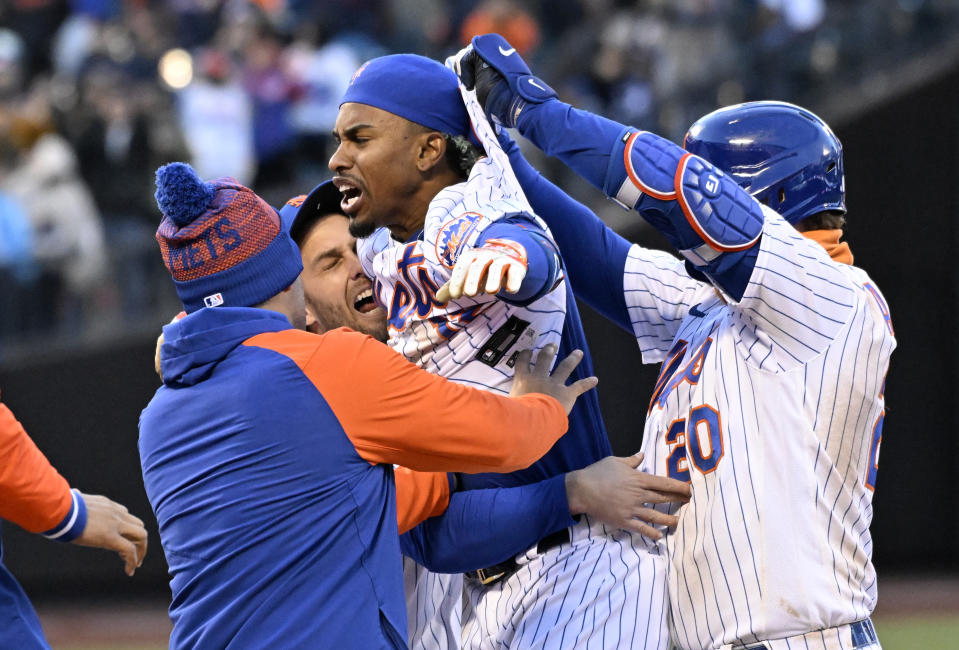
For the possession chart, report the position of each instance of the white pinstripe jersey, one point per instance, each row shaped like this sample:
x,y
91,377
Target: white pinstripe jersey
x,y
773,409
434,607
449,340
455,340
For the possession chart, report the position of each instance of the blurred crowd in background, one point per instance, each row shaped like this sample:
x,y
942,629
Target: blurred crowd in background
x,y
96,94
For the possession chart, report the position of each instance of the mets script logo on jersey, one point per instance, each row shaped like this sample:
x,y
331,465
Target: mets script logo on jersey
x,y
670,376
452,236
414,298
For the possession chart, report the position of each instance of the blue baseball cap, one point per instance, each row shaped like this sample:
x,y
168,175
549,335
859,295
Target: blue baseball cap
x,y
414,87
302,211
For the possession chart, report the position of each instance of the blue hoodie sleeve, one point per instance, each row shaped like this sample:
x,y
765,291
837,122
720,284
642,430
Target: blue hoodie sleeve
x,y
481,528
594,255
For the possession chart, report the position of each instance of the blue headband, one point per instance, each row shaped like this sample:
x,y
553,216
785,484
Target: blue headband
x,y
413,87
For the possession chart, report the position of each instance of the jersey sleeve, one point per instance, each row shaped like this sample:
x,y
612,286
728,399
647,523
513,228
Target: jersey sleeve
x,y
419,495
396,413
797,300
33,494
485,527
658,294
543,268
367,248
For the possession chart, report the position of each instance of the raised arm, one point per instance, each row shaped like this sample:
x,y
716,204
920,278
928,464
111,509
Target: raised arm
x,y
712,221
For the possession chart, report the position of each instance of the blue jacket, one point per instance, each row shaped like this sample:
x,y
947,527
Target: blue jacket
x,y
267,458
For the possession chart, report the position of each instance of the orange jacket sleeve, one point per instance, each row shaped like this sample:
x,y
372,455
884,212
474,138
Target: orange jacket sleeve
x,y
394,412
419,496
33,495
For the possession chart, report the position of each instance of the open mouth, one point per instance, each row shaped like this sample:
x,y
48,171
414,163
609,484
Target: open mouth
x,y
351,193
364,302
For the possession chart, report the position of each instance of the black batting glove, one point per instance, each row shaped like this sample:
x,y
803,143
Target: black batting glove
x,y
503,82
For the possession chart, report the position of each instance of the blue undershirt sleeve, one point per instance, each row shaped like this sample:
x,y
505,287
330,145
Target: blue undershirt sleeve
x,y
543,265
584,142
481,528
593,254
593,147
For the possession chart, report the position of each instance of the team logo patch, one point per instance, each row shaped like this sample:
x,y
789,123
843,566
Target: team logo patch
x,y
296,201
452,235
213,300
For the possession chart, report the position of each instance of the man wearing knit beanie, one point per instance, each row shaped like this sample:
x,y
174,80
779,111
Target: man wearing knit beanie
x,y
470,275
268,452
222,243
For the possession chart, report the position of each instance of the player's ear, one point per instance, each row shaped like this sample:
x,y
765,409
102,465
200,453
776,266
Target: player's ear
x,y
312,322
431,150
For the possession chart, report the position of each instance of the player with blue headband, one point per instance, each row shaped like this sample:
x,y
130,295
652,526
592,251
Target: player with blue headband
x,y
405,164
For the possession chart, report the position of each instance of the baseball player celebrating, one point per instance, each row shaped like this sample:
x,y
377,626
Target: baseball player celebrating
x,y
392,166
774,353
333,286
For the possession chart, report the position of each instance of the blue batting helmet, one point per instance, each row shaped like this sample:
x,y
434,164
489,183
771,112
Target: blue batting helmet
x,y
783,155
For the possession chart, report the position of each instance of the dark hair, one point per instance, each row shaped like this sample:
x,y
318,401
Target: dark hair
x,y
822,221
461,154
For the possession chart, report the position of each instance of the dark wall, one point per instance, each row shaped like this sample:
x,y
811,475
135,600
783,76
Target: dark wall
x,y
902,179
902,171
82,411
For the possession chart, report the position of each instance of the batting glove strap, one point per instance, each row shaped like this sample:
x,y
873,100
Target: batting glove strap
x,y
506,247
504,84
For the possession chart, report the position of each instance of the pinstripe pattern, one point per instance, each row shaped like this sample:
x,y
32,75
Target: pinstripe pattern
x,y
603,590
434,607
775,541
445,339
835,638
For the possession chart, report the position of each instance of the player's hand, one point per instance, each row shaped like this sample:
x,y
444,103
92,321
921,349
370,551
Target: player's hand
x,y
536,378
503,82
615,492
499,264
111,526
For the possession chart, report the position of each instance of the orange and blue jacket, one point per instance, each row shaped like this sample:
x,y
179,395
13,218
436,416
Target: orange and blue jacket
x,y
33,495
268,458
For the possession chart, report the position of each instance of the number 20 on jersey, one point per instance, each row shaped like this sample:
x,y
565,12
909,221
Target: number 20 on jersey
x,y
696,439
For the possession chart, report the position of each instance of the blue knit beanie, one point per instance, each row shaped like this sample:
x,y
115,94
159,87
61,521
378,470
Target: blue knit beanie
x,y
222,243
414,87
